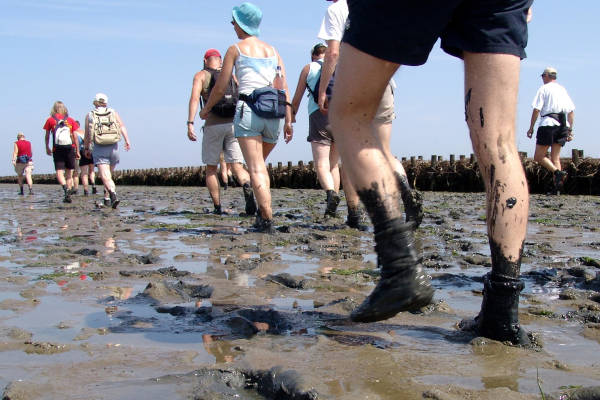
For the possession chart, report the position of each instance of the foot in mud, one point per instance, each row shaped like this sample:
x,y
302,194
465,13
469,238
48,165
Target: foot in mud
x,y
85,193
403,286
67,198
106,202
559,179
413,206
114,200
21,192
354,220
217,210
94,190
31,192
263,225
499,315
249,199
333,199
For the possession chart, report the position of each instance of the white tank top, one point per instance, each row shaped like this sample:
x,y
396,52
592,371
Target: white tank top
x,y
254,72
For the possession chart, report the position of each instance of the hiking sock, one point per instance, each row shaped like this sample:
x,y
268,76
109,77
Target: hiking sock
x,y
114,200
411,199
403,286
64,187
354,219
94,190
559,179
249,198
85,192
263,225
21,190
333,199
30,190
217,210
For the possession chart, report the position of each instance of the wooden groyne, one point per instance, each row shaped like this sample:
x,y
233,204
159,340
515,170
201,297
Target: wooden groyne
x,y
436,174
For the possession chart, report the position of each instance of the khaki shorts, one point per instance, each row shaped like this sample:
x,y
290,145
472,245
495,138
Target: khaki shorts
x,y
385,113
217,139
22,168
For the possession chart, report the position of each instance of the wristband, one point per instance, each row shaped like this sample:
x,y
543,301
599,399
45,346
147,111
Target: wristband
x,y
190,122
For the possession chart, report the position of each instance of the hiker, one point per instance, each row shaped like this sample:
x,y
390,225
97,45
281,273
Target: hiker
x,y
64,150
556,108
491,39
261,75
331,31
22,160
324,152
217,137
86,167
103,131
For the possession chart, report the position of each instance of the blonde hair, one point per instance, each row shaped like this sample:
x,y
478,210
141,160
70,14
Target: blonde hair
x,y
59,108
20,135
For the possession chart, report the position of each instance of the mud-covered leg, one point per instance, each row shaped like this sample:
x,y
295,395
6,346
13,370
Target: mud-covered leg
x,y
403,285
491,86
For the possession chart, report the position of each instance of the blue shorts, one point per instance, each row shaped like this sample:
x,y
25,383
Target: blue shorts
x,y
248,124
107,154
404,32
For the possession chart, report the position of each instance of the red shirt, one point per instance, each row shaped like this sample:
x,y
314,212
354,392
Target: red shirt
x,y
24,148
51,123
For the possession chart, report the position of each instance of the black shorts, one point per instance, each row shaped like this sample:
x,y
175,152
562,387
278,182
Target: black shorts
x,y
317,129
405,32
549,135
83,161
64,157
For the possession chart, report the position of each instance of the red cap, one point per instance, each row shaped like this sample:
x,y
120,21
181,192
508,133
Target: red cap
x,y
212,53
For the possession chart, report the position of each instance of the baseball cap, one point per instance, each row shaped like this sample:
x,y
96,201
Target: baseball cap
x,y
317,47
212,53
248,17
550,71
101,98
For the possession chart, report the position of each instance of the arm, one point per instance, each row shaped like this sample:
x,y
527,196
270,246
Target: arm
x,y
330,62
300,88
534,116
197,86
123,131
75,139
47,138
571,119
87,137
15,153
218,91
288,130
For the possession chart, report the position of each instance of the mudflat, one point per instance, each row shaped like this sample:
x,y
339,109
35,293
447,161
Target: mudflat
x,y
162,299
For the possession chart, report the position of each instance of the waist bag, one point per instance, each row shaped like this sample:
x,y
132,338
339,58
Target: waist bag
x,y
23,159
267,102
561,118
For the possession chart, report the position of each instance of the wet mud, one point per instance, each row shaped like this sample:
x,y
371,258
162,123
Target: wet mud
x,y
162,299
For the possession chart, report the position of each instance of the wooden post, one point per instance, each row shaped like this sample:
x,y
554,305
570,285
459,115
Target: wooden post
x,y
403,159
575,156
451,159
420,158
433,161
472,160
413,161
462,157
440,158
580,153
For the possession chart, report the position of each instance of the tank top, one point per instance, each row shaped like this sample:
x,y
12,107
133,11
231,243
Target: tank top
x,y
23,148
254,72
314,74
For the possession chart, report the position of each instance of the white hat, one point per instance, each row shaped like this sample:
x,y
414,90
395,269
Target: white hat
x,y
550,71
101,98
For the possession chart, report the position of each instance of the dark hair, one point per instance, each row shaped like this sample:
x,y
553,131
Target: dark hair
x,y
318,50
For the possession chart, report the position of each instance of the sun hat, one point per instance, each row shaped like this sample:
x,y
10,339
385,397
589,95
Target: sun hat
x,y
248,17
101,98
550,71
212,53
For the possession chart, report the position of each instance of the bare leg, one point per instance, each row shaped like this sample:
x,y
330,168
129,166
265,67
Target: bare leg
x,y
491,87
321,154
69,178
555,155
20,182
243,178
239,172
28,177
255,152
334,166
105,172
60,177
540,157
212,184
84,177
403,285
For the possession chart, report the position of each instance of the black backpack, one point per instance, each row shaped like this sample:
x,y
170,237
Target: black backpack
x,y
315,92
226,106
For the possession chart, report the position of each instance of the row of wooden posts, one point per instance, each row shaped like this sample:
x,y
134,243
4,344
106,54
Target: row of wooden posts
x,y
437,174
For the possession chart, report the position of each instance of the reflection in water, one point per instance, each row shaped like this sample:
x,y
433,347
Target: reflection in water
x,y
222,351
110,245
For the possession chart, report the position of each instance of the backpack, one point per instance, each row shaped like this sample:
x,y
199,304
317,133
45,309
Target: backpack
x,y
315,91
61,132
105,127
226,106
267,102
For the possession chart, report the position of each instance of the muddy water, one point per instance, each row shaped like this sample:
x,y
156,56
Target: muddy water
x,y
161,299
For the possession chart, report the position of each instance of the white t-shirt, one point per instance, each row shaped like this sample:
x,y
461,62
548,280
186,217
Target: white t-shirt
x,y
552,98
334,22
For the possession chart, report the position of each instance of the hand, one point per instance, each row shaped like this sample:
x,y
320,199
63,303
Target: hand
x,y
78,155
323,104
570,136
48,151
14,162
204,113
88,153
530,133
127,146
288,132
191,134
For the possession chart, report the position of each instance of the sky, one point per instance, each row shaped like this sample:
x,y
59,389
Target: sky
x,y
144,53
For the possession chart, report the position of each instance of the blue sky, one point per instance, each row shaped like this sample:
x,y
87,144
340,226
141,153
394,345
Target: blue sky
x,y
144,53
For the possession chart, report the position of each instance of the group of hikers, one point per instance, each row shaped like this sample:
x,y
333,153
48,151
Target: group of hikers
x,y
245,103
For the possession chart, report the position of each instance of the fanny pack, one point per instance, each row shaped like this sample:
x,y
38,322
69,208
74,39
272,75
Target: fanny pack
x,y
561,118
24,159
267,102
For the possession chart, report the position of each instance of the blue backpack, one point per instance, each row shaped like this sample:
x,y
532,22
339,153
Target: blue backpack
x,y
315,91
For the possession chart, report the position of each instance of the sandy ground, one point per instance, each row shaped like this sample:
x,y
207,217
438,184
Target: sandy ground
x,y
161,299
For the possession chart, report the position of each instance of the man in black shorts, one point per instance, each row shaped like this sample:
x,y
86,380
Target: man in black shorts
x,y
556,108
490,36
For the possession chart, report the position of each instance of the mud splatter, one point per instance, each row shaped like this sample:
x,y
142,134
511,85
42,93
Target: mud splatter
x,y
511,202
481,119
467,103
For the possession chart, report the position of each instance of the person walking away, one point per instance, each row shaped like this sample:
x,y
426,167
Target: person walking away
x,y
332,29
263,90
557,112
22,160
491,40
86,166
325,155
64,150
218,134
103,130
